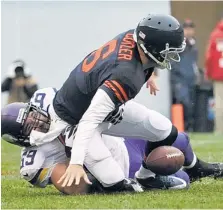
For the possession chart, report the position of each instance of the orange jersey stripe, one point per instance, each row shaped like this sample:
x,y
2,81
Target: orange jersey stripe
x,y
109,85
121,89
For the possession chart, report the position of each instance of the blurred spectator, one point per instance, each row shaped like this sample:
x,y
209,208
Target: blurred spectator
x,y
184,76
214,71
19,83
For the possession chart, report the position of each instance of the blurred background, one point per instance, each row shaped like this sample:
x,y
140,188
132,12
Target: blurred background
x,y
42,41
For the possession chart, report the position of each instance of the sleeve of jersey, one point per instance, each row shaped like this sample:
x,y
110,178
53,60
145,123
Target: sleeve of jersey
x,y
120,88
101,105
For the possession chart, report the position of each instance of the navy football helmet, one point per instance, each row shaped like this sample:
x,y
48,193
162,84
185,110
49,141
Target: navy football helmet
x,y
161,37
19,119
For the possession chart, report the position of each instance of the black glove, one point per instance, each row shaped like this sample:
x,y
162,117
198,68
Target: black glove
x,y
67,138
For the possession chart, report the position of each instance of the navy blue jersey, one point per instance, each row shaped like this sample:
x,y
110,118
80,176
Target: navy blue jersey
x,y
115,67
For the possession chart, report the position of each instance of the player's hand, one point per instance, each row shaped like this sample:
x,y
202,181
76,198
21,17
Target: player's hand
x,y
74,172
151,84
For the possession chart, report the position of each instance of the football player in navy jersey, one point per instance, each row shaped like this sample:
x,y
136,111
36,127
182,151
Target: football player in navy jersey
x,y
104,83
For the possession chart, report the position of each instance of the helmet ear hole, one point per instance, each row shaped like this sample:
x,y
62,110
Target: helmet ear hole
x,y
159,58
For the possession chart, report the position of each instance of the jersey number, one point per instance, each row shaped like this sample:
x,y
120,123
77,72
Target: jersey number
x,y
39,99
88,65
28,158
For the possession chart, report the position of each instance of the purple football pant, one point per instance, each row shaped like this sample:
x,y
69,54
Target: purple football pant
x,y
136,149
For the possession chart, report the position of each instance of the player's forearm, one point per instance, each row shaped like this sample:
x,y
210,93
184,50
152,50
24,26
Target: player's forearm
x,y
99,109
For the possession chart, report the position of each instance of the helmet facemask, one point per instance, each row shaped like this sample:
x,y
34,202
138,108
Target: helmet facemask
x,y
34,118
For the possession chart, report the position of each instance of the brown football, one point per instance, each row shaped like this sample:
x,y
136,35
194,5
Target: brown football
x,y
165,160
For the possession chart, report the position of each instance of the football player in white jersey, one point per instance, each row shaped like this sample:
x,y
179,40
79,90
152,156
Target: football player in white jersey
x,y
21,123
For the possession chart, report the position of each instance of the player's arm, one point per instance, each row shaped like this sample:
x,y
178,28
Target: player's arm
x,y
101,105
115,91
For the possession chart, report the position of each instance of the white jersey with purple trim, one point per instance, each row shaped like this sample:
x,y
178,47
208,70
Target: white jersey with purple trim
x,y
38,161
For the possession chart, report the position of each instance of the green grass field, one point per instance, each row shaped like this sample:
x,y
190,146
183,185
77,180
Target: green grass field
x,y
17,193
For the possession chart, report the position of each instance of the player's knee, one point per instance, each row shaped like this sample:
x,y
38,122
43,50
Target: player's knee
x,y
168,141
171,138
184,138
111,178
158,124
107,171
